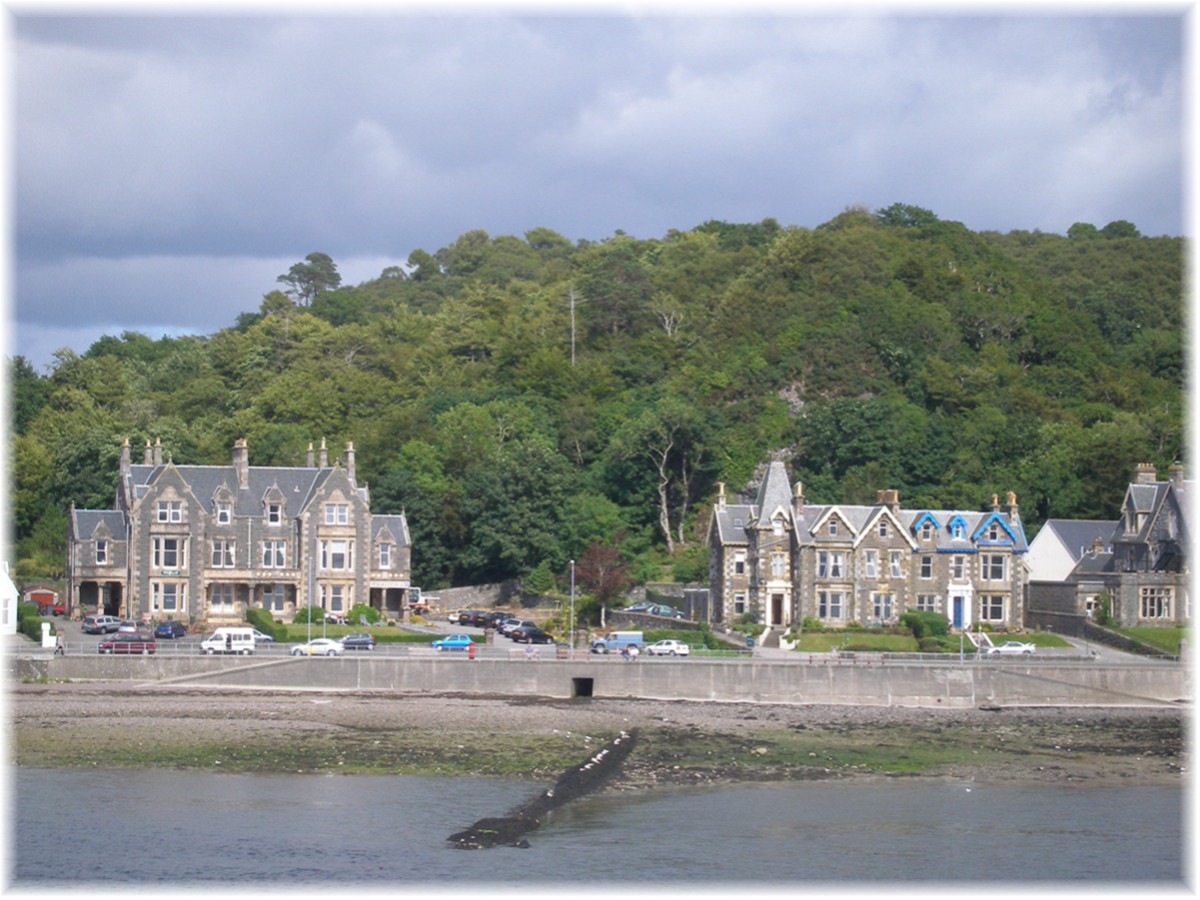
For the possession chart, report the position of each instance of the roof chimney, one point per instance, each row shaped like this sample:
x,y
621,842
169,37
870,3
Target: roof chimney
x,y
350,461
1010,500
798,500
890,499
1145,474
720,495
241,463
124,459
1176,474
324,456
148,454
308,457
158,451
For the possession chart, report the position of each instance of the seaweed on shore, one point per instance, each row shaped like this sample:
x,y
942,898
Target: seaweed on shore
x,y
571,784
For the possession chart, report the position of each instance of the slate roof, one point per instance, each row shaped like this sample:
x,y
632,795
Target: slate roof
x,y
775,490
1078,535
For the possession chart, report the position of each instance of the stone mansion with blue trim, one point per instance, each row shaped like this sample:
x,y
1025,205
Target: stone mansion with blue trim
x,y
785,560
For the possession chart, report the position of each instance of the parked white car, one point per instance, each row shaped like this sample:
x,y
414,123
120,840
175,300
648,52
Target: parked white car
x,y
319,647
668,648
1011,647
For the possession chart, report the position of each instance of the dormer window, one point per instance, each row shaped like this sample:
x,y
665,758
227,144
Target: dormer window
x,y
994,532
224,513
777,527
385,556
833,527
274,513
169,511
957,531
926,531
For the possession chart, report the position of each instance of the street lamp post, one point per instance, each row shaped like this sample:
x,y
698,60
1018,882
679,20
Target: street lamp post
x,y
572,607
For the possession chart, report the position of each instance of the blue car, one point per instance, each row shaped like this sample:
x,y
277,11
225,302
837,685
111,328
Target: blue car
x,y
170,629
453,642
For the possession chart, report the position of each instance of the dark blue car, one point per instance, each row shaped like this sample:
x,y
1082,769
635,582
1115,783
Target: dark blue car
x,y
170,629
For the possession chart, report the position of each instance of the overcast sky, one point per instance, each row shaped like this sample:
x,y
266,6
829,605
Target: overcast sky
x,y
168,168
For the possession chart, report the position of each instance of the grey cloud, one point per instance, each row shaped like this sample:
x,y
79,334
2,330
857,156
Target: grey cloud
x,y
159,158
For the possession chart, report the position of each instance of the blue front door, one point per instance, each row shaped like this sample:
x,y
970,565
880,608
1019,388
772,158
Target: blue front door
x,y
958,612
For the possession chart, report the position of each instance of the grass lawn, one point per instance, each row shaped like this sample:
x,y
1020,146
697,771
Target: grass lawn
x,y
1164,638
823,642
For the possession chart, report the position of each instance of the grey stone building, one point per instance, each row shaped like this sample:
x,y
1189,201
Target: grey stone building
x,y
1140,568
204,543
783,559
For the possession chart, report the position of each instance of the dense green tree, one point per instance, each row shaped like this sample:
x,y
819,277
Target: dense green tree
x,y
306,280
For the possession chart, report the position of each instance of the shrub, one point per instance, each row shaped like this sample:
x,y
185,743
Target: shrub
x,y
924,624
812,624
265,622
369,613
309,614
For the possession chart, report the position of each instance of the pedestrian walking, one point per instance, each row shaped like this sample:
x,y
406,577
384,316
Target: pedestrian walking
x,y
60,643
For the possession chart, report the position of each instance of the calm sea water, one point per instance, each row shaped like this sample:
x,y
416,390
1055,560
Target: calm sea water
x,y
164,829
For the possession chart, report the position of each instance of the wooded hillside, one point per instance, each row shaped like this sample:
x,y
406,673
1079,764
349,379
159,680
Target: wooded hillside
x,y
523,397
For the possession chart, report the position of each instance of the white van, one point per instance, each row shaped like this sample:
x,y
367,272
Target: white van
x,y
229,640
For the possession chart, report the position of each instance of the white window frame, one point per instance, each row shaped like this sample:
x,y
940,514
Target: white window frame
x,y
223,598
992,607
991,564
739,562
778,565
169,511
385,555
883,605
224,553
831,604
871,563
894,564
274,513
163,547
337,513
958,567
274,554
168,596
224,513
926,566
101,552
1155,601
927,602
337,555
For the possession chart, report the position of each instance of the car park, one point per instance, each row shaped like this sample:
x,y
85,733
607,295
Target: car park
x,y
359,640
668,648
100,624
319,647
170,629
128,642
453,642
1010,647
504,626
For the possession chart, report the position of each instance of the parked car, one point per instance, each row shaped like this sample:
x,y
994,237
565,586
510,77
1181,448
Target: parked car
x,y
640,606
531,635
59,609
319,647
495,618
128,642
657,609
506,625
261,638
170,629
469,617
100,624
511,630
359,640
668,648
453,642
1013,647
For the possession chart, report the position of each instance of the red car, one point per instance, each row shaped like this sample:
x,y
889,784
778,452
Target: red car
x,y
129,642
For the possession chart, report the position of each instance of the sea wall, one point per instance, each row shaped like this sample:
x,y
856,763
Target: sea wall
x,y
975,683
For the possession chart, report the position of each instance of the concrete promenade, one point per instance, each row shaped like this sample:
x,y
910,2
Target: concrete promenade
x,y
864,681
